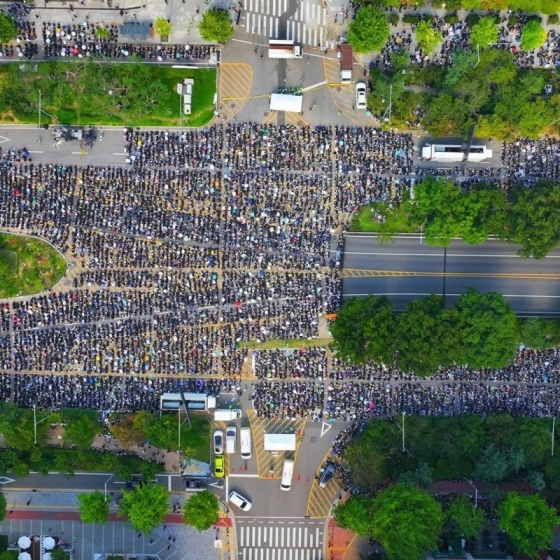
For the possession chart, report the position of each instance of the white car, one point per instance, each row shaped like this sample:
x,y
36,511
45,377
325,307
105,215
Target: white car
x,y
361,101
218,442
239,501
231,438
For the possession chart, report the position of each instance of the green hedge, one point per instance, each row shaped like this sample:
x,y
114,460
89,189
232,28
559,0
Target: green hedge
x,y
553,19
472,19
411,18
452,19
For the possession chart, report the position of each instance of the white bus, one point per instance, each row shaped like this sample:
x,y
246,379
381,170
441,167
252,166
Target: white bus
x,y
454,153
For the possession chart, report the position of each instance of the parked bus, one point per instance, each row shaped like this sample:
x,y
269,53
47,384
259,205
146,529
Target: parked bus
x,y
454,153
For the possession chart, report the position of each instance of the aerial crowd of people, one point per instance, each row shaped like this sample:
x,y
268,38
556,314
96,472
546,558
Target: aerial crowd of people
x,y
208,240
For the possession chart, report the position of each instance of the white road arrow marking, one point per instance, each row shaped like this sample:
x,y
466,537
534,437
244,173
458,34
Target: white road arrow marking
x,y
325,428
4,139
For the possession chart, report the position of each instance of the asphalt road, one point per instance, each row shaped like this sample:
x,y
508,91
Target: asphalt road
x,y
491,266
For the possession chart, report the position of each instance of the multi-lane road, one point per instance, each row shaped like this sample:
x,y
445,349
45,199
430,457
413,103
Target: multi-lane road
x,y
408,269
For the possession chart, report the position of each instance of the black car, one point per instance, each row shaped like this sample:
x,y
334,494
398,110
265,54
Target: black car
x,y
326,475
191,483
135,480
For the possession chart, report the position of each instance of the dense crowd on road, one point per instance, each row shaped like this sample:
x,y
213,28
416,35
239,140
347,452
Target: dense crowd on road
x,y
213,238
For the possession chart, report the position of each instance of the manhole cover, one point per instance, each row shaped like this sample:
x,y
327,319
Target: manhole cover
x,y
312,439
232,105
338,89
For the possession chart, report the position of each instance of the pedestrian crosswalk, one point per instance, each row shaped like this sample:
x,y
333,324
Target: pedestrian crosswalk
x,y
306,26
274,542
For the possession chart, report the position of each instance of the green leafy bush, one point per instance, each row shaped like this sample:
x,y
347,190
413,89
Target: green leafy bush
x,y
553,19
411,18
452,19
472,19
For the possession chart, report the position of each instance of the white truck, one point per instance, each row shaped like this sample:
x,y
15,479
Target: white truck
x,y
346,63
226,414
278,48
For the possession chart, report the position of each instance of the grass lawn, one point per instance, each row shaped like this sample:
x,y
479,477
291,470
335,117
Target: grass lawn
x,y
3,543
285,343
395,220
28,265
195,442
87,93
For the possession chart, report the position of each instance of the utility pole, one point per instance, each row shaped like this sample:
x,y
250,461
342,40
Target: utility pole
x,y
401,428
35,422
552,436
478,54
39,109
475,491
390,101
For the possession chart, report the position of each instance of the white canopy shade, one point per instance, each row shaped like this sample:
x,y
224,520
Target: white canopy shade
x,y
24,542
48,543
285,102
24,556
47,556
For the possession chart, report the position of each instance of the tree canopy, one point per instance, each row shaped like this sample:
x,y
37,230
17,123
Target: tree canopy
x,y
216,26
463,519
534,219
489,329
407,521
533,35
93,507
364,330
81,427
428,37
3,506
369,30
163,26
484,33
355,514
528,521
201,510
8,28
145,507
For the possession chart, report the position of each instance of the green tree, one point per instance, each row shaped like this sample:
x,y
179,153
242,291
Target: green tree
x,y
462,519
447,114
538,333
145,507
9,555
355,514
488,329
534,219
536,480
363,329
369,30
533,35
216,26
8,29
484,33
130,430
493,465
81,427
163,26
428,37
3,506
20,434
535,531
93,507
423,321
406,521
59,554
462,63
201,510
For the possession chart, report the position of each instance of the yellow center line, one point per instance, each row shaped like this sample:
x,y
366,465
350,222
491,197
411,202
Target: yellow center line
x,y
349,272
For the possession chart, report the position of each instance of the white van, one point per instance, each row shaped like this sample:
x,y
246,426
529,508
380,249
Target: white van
x,y
245,440
287,475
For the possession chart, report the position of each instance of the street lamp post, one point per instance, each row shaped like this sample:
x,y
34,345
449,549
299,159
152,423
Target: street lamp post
x,y
106,482
552,436
35,422
475,491
401,428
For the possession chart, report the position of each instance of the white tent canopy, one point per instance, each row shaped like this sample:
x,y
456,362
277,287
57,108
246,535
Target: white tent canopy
x,y
48,543
24,556
24,542
285,102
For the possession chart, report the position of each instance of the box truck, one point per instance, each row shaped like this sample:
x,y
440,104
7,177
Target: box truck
x,y
346,63
284,49
226,414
